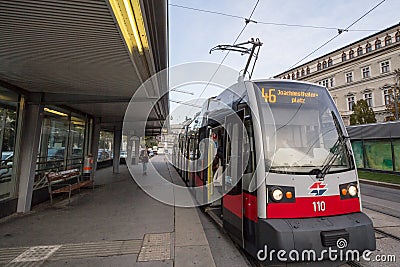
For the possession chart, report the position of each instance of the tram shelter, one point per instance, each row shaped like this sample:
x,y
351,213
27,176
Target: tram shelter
x,y
68,71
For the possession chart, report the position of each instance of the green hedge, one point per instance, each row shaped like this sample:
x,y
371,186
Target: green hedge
x,y
381,177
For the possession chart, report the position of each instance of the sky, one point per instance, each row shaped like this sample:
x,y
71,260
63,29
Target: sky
x,y
193,33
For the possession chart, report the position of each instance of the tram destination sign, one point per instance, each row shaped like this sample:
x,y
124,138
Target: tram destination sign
x,y
288,96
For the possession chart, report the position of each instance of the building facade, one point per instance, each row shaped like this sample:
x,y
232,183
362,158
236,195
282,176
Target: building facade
x,y
361,70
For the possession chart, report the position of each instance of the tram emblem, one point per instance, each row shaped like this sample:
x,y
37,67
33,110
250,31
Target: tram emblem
x,y
318,189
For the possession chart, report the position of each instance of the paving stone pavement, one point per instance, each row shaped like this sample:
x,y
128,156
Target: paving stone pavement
x,y
116,224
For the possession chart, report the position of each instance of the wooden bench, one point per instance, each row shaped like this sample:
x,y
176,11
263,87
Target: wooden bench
x,y
55,185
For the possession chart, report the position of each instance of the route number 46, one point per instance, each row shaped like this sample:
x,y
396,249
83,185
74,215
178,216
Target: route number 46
x,y
319,206
269,96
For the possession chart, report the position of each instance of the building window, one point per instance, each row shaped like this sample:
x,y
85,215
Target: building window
x,y
332,82
324,64
388,40
308,70
349,77
319,66
344,56
359,51
330,62
368,48
387,95
325,83
298,74
368,98
350,102
385,66
377,44
398,36
366,72
302,72
351,54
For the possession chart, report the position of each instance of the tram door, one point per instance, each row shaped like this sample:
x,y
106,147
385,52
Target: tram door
x,y
186,164
233,198
192,158
200,175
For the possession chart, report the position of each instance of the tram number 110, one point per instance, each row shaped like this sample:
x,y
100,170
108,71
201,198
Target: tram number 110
x,y
319,206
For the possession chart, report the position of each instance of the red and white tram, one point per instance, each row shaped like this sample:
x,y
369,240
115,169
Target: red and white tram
x,y
279,155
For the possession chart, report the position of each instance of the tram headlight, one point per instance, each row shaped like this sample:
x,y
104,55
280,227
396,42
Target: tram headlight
x,y
352,189
277,194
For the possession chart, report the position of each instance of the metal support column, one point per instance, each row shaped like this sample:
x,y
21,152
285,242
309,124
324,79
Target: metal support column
x,y
129,150
137,150
95,144
30,138
117,147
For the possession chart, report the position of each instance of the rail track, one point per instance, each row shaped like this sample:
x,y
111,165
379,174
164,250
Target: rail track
x,y
380,231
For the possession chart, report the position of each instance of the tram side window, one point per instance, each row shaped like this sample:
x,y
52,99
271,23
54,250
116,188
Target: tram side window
x,y
234,171
248,147
227,158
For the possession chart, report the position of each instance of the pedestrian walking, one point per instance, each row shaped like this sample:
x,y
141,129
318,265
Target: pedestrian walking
x,y
145,159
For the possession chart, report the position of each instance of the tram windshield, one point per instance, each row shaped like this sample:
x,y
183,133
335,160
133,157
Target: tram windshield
x,y
300,134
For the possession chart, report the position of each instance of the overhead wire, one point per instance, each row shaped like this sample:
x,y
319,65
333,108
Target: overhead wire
x,y
339,33
226,55
265,22
207,11
184,103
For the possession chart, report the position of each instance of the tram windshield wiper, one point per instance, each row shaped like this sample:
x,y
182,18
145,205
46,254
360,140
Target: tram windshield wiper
x,y
334,151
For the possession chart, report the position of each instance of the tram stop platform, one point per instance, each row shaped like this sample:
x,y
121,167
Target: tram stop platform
x,y
117,224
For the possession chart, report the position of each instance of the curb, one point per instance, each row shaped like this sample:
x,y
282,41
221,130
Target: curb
x,y
382,184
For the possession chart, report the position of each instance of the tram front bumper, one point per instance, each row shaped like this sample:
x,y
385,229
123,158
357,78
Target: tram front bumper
x,y
341,233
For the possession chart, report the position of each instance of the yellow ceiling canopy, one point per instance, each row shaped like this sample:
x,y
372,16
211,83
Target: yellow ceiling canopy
x,y
130,21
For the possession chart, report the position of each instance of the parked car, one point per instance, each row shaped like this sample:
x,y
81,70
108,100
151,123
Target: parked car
x,y
7,158
124,154
155,150
103,154
54,153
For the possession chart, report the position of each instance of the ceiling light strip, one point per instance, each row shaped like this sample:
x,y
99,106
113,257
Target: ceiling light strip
x,y
130,21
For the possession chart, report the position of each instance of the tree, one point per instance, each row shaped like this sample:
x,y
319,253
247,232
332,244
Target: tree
x,y
150,141
362,113
393,108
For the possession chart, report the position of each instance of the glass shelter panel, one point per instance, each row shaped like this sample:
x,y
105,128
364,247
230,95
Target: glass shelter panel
x,y
358,153
396,151
105,146
8,130
76,142
62,143
378,155
54,140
